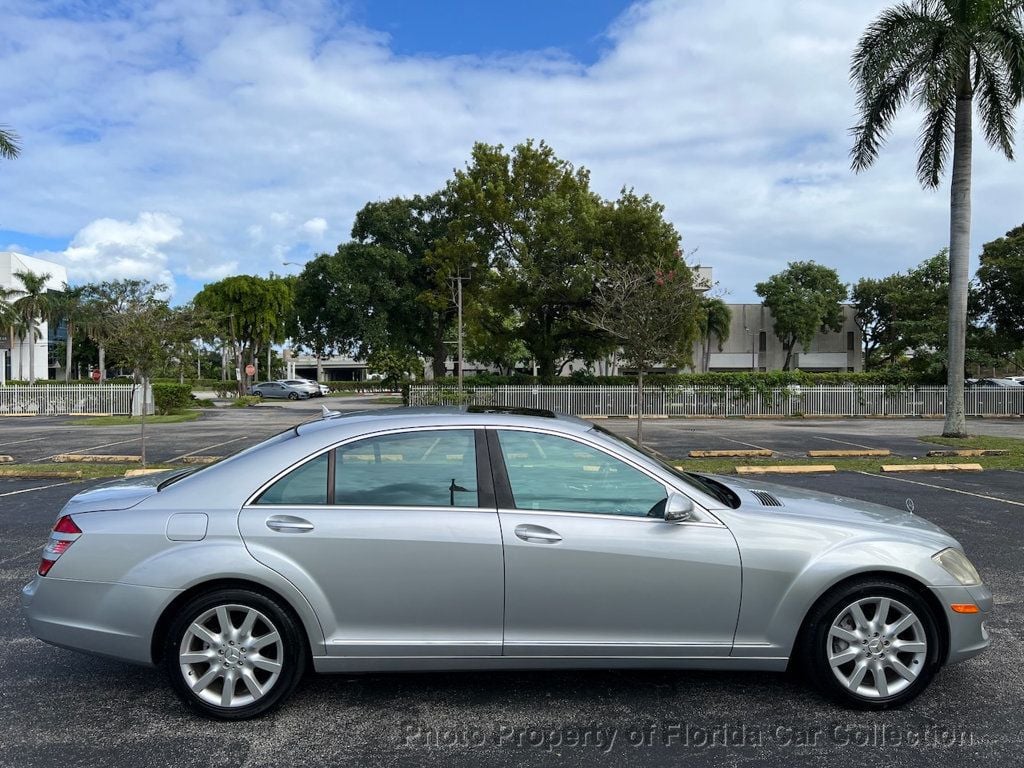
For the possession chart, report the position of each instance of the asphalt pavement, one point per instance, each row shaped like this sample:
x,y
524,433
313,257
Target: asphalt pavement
x,y
65,708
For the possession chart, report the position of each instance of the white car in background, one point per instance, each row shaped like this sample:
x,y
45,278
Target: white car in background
x,y
306,385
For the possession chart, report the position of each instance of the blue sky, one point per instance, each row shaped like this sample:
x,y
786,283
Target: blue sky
x,y
183,141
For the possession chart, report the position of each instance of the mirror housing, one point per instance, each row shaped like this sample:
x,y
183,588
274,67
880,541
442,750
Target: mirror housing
x,y
678,508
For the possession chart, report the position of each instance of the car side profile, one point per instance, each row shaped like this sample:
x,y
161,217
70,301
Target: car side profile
x,y
306,385
278,389
480,539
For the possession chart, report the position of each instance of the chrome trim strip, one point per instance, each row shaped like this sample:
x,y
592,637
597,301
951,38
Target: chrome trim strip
x,y
602,516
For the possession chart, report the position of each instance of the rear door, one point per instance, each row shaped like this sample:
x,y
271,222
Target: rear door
x,y
591,566
394,538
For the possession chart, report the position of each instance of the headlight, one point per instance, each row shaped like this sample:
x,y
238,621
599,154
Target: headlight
x,y
957,564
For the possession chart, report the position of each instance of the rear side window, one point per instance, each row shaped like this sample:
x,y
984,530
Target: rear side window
x,y
414,469
304,485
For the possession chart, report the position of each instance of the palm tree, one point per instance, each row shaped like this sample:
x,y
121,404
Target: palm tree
x,y
943,55
32,305
715,319
8,319
69,307
9,147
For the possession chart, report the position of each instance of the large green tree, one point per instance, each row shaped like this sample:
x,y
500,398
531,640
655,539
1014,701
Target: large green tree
x,y
249,314
68,307
804,299
1001,295
945,56
714,321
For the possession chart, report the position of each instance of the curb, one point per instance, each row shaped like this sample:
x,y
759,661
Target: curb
x,y
41,474
739,454
932,468
849,454
6,459
970,452
142,472
786,469
199,460
97,458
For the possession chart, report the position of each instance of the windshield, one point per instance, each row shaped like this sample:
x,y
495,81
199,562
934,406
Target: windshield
x,y
706,485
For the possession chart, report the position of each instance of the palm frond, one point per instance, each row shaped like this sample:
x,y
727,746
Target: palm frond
x,y
9,146
1006,39
995,101
936,140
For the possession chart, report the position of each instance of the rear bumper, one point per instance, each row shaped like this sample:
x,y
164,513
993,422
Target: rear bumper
x,y
968,635
114,620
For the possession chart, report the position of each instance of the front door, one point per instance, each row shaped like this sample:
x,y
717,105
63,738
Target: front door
x,y
591,566
393,541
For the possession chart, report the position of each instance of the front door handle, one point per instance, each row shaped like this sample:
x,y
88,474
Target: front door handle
x,y
288,524
537,534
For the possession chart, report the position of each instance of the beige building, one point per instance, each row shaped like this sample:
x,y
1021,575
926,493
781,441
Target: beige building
x,y
753,345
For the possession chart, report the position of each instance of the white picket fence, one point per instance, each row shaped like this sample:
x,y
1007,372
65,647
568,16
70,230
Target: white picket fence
x,y
728,401
63,399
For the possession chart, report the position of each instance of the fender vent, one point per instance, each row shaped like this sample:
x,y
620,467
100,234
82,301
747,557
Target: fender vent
x,y
766,499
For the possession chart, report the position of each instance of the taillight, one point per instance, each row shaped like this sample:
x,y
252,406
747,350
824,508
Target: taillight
x,y
64,534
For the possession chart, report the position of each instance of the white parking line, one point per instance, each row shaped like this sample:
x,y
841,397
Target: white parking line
x,y
18,442
740,442
946,488
92,448
208,447
846,442
38,488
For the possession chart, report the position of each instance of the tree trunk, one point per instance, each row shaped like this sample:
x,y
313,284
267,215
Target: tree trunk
x,y
959,257
67,353
640,407
789,357
32,352
103,364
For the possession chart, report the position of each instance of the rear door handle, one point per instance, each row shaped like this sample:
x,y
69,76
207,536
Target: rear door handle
x,y
537,534
288,524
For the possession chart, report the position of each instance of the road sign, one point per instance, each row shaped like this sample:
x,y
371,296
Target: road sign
x,y
95,375
250,369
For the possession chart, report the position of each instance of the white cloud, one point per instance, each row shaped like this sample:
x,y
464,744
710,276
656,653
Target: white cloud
x,y
315,227
108,249
239,121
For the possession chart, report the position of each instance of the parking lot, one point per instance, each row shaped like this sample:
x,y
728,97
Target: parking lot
x,y
63,707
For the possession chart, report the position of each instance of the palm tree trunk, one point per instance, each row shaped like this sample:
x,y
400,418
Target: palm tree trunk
x,y
32,352
67,353
959,257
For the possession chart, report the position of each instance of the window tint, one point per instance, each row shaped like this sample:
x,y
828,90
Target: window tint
x,y
414,469
304,485
555,473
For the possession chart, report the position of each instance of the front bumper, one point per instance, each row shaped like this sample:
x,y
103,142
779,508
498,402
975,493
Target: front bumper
x,y
967,633
105,619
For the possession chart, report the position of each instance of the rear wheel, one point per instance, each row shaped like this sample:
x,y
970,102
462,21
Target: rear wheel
x,y
293,395
234,654
871,645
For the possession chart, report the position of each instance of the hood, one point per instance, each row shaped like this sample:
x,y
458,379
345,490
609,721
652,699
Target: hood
x,y
119,494
825,507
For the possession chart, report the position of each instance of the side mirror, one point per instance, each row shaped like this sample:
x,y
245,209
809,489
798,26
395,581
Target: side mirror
x,y
678,508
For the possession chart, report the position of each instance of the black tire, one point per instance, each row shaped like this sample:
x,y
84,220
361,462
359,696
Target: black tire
x,y
257,393
816,644
289,654
293,395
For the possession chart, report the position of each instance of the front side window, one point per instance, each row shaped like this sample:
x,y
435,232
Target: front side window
x,y
304,485
412,469
552,473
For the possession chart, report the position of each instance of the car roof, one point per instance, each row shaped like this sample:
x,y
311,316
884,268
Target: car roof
x,y
487,416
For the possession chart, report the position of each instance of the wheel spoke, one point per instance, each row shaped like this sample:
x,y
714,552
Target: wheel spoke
x,y
245,630
859,619
265,640
858,675
268,664
228,692
204,682
196,657
910,646
844,634
204,634
843,657
902,669
224,618
250,682
902,625
881,684
883,611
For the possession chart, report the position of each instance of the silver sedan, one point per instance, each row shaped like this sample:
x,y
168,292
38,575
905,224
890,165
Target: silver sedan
x,y
485,539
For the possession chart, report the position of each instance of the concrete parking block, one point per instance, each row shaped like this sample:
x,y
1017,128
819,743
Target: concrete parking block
x,y
40,473
6,459
852,454
731,454
786,469
141,472
97,458
932,468
200,459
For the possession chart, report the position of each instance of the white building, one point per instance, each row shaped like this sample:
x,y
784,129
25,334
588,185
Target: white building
x,y
16,360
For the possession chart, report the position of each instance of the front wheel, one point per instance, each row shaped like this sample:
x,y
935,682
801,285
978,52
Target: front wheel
x,y
234,654
871,645
293,395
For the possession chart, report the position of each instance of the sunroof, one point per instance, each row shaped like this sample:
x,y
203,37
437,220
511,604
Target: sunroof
x,y
513,410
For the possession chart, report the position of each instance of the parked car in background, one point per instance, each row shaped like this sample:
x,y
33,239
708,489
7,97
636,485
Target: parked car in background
x,y
483,538
306,385
1007,382
324,390
278,389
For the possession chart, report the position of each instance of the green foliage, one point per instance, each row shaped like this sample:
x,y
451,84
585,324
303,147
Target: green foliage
x,y
740,379
1001,287
244,401
396,365
713,322
10,147
804,299
169,398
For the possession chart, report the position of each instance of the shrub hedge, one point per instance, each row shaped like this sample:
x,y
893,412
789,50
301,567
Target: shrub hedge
x,y
168,397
